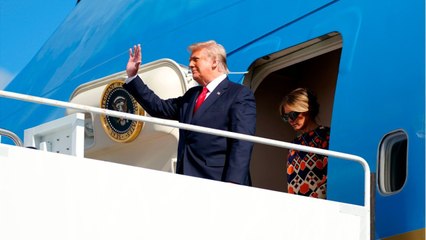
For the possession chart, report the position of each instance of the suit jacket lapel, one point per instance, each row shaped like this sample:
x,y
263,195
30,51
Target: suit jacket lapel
x,y
188,112
217,93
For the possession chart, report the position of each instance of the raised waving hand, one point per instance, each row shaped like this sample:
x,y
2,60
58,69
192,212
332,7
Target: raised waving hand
x,y
135,59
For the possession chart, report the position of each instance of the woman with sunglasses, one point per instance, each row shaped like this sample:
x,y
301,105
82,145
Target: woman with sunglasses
x,y
306,172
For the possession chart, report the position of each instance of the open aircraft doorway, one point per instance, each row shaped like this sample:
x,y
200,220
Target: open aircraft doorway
x,y
313,64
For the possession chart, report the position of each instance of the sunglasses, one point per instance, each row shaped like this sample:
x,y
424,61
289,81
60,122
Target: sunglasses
x,y
290,115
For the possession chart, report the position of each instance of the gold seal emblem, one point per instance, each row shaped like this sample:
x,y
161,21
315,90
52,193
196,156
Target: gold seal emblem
x,y
115,97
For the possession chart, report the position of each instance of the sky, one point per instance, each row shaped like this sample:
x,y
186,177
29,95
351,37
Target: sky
x,y
25,25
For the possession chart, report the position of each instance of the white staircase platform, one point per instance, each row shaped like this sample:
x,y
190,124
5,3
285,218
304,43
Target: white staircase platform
x,y
46,195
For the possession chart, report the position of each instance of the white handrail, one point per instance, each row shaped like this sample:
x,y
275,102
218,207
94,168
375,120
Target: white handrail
x,y
11,135
195,128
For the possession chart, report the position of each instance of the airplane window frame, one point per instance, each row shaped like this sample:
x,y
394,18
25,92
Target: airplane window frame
x,y
391,178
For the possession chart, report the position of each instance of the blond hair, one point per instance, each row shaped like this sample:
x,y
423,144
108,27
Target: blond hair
x,y
301,100
215,51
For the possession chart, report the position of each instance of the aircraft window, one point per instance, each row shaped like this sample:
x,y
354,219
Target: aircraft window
x,y
392,162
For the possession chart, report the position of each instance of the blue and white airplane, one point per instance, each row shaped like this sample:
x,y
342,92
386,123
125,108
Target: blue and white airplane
x,y
364,59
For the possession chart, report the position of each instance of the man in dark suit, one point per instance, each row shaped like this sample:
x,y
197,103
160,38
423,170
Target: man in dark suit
x,y
217,103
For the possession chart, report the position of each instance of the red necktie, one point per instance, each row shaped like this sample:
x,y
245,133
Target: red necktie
x,y
200,98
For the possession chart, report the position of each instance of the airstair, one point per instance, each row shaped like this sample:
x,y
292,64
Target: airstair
x,y
48,194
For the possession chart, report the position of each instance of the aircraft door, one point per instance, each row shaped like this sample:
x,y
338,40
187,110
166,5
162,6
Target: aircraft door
x,y
130,142
313,64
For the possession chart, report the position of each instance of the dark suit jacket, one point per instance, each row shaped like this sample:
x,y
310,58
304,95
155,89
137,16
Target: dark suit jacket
x,y
229,107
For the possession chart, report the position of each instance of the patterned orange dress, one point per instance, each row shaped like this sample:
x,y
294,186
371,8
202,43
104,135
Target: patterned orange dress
x,y
307,172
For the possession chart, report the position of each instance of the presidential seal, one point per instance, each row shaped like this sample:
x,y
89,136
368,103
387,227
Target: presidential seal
x,y
115,97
